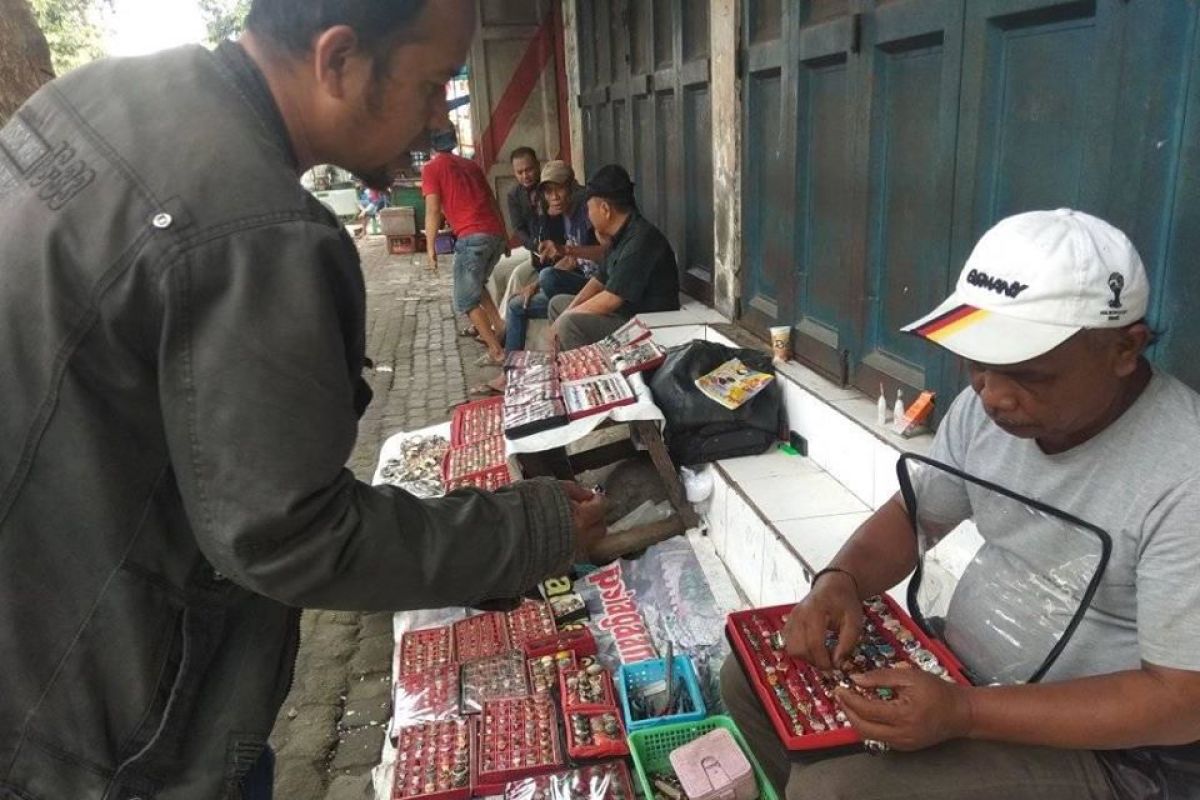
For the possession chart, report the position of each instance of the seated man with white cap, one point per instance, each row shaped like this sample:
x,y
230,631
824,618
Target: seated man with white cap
x,y
1063,407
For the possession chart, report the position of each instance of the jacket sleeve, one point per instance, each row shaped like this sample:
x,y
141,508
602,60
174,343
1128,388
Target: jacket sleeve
x,y
257,389
522,221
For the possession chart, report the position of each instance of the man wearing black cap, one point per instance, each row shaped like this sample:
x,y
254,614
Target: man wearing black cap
x,y
639,273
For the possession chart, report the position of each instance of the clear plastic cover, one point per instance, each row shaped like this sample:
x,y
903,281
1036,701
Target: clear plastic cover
x,y
609,781
1002,579
430,696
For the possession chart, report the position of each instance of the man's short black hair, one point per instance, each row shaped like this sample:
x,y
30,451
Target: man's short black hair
x,y
293,25
612,184
522,152
621,203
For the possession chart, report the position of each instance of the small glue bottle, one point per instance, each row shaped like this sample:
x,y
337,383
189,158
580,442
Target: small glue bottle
x,y
881,408
898,409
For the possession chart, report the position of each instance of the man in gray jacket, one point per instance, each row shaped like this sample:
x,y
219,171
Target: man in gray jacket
x,y
181,340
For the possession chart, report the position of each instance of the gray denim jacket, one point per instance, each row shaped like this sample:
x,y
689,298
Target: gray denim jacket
x,y
181,339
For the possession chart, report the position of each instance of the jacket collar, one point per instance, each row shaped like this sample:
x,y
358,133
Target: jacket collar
x,y
626,227
252,84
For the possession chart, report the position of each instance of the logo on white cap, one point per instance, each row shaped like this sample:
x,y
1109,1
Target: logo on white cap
x,y
1033,281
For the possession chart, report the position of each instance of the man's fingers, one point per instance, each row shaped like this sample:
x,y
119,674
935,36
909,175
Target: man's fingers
x,y
879,677
870,729
576,492
814,637
883,712
848,634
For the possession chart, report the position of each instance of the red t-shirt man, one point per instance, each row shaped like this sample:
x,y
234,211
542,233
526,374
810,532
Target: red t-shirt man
x,y
467,200
455,187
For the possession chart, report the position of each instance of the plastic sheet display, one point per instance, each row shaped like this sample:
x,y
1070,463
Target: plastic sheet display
x,y
608,781
425,697
678,606
494,677
1002,579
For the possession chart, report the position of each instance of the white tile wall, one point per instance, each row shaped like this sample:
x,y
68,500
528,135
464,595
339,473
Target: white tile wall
x,y
815,503
665,319
783,575
744,548
718,512
817,539
670,337
812,495
773,464
886,483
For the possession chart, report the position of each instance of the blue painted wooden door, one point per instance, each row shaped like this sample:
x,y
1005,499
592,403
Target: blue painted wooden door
x,y
881,139
645,102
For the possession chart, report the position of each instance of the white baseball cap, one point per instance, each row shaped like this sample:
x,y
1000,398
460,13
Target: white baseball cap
x,y
1035,280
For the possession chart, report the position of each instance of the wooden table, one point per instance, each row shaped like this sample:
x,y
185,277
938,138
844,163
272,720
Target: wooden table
x,y
556,463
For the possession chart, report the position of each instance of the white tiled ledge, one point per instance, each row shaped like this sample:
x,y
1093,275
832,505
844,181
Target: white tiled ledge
x,y
775,518
837,423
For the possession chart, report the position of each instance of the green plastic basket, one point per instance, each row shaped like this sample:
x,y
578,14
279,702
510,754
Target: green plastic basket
x,y
652,748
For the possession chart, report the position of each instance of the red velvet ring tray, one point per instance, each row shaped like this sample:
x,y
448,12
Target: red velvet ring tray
x,y
753,666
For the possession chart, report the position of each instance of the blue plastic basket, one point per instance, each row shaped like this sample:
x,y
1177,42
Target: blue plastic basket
x,y
632,677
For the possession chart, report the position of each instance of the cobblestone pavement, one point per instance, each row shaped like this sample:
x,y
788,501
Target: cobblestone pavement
x,y
330,730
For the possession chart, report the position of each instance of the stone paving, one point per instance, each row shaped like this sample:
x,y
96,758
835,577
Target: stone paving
x,y
331,728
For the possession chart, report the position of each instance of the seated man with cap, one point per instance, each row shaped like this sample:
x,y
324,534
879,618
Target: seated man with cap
x,y
567,266
1063,407
639,273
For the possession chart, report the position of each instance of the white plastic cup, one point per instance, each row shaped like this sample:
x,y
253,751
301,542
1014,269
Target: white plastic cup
x,y
781,342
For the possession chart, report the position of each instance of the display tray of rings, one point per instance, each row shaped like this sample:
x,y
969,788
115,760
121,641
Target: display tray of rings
x,y
798,698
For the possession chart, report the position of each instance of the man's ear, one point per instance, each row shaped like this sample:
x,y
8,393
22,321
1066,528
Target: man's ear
x,y
331,52
1130,345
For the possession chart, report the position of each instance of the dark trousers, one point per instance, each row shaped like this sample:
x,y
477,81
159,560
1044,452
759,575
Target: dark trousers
x,y
960,769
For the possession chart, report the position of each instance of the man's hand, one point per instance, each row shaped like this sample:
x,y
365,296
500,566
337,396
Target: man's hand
x,y
549,250
587,519
832,604
567,264
923,711
527,293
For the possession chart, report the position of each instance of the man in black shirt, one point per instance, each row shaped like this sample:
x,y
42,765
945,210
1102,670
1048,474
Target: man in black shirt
x,y
639,273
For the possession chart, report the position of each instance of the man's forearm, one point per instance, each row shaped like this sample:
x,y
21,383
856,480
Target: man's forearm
x,y
1137,708
881,552
526,237
603,302
587,252
432,223
590,289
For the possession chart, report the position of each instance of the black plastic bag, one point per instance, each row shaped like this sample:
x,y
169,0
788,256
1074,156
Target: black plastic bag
x,y
700,430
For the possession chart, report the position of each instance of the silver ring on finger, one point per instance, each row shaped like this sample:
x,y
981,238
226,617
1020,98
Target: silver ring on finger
x,y
875,747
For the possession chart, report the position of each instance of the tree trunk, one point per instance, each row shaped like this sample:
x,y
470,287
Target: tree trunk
x,y
24,56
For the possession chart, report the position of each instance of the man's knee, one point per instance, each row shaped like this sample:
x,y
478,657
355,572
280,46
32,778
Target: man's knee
x,y
558,306
852,777
735,689
570,331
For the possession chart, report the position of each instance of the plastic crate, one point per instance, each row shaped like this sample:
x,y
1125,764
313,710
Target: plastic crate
x,y
651,750
634,676
400,221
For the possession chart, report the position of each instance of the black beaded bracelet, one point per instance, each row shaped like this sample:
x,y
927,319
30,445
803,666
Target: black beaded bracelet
x,y
828,570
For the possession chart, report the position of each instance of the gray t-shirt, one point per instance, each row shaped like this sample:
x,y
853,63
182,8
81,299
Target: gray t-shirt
x,y
1138,480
